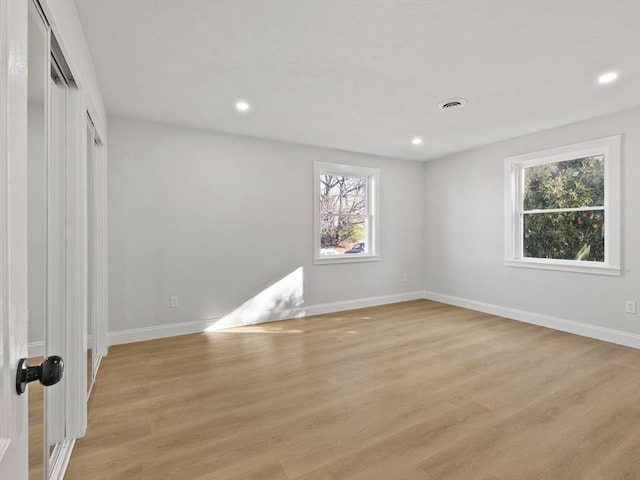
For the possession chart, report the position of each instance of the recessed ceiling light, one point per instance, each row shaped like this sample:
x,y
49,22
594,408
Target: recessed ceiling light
x,y
243,106
608,77
416,141
452,104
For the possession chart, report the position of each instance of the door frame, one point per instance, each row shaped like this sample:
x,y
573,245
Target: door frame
x,y
100,258
74,404
96,195
76,301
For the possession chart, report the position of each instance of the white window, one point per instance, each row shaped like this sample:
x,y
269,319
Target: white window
x,y
562,208
345,213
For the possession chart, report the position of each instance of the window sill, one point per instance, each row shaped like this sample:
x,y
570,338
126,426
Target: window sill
x,y
565,266
346,259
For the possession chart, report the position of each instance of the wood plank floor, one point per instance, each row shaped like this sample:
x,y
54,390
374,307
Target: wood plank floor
x,y
36,427
36,422
410,391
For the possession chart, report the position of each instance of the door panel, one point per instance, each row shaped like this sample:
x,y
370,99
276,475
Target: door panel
x,y
37,112
13,236
58,275
56,258
92,330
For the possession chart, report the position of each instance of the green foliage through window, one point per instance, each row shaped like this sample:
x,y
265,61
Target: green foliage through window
x,y
563,210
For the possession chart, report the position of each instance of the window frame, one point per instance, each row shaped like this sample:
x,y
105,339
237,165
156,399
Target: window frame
x,y
514,167
373,221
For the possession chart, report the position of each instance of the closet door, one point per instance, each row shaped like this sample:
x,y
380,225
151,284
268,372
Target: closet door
x,y
56,331
93,356
57,249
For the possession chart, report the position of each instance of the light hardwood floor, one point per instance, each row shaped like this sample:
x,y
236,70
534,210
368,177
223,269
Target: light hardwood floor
x,y
411,391
36,428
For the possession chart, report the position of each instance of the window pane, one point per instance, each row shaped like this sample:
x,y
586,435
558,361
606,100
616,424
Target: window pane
x,y
568,184
343,195
566,236
339,234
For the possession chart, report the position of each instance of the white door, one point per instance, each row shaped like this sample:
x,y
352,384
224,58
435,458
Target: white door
x,y
13,236
69,421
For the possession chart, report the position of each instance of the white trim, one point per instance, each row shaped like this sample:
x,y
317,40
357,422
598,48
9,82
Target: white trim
x,y
355,258
346,305
101,261
56,325
62,455
578,328
186,328
95,374
564,210
592,331
373,209
564,266
157,331
76,268
13,235
89,159
5,128
513,171
564,152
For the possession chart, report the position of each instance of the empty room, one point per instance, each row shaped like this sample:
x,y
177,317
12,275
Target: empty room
x,y
320,239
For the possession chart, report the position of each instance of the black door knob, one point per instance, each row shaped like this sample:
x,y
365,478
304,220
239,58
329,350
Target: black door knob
x,y
49,372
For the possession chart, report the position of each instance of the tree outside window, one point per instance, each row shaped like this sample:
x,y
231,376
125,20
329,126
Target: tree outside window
x,y
345,213
562,208
343,209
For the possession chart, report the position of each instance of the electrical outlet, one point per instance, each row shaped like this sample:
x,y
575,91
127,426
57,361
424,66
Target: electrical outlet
x,y
405,277
175,302
630,306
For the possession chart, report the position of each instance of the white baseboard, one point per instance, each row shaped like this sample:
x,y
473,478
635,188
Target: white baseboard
x,y
361,303
620,337
63,453
157,331
171,330
186,328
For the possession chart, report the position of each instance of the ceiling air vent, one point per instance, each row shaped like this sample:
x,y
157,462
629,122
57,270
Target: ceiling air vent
x,y
452,104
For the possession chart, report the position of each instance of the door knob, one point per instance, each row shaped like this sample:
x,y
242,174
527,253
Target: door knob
x,y
49,372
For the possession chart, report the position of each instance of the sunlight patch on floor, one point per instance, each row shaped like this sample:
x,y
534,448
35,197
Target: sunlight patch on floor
x,y
259,329
276,302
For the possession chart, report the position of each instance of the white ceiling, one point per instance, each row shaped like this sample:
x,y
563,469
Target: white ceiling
x,y
366,76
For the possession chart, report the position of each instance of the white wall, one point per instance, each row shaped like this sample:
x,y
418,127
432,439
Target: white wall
x,y
464,239
215,219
